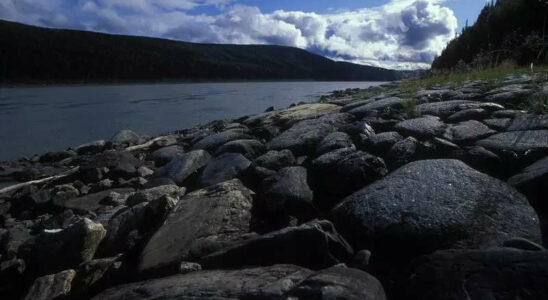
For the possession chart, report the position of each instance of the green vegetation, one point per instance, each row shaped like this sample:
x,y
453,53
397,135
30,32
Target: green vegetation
x,y
38,55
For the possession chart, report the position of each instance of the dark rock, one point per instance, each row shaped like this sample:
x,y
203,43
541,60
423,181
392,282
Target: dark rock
x,y
77,244
248,148
51,286
437,95
12,278
424,127
203,222
123,170
212,142
64,193
361,260
92,147
508,113
509,97
314,245
339,283
143,171
447,108
482,160
381,124
60,221
96,275
56,156
357,129
523,244
468,114
380,143
189,267
335,140
517,141
91,202
498,124
392,102
125,138
269,109
13,238
155,193
224,167
402,152
434,204
480,274
529,122
276,160
341,172
180,168
288,191
164,155
467,132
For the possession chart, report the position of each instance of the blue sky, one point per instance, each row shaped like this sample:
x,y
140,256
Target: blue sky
x,y
402,34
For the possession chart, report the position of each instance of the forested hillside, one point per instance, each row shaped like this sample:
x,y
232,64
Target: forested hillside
x,y
31,54
505,30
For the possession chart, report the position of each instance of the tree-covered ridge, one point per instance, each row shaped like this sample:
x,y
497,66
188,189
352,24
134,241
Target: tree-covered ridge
x,y
505,30
30,54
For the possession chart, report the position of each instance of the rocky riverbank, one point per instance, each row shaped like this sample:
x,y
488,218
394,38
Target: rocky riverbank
x,y
369,194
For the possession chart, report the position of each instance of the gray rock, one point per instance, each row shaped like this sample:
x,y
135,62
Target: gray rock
x,y
275,160
155,193
529,122
355,104
248,283
180,168
290,116
248,148
77,244
509,97
126,138
304,136
335,140
223,167
50,287
437,95
480,274
392,102
498,124
467,132
314,245
212,142
91,202
434,204
288,191
468,114
96,275
424,127
482,160
64,193
188,267
518,141
143,171
202,222
523,244
447,108
402,152
92,147
508,113
339,283
380,143
164,155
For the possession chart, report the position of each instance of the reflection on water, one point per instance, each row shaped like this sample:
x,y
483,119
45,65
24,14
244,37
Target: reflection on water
x,y
36,120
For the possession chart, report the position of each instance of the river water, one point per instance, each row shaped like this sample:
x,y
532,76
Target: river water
x,y
37,120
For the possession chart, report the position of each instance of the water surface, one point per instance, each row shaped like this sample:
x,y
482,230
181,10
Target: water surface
x,y
37,120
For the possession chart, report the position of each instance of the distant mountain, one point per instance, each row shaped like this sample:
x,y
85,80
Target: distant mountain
x,y
31,54
505,30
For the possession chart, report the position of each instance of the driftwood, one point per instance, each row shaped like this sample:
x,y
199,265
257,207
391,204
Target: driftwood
x,y
38,181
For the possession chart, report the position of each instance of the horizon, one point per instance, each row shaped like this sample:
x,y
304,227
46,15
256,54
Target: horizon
x,y
393,34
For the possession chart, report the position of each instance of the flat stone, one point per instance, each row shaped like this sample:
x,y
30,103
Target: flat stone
x,y
91,202
180,168
275,160
248,148
164,155
210,143
447,108
223,167
288,191
529,122
292,115
518,141
51,286
335,140
467,132
424,127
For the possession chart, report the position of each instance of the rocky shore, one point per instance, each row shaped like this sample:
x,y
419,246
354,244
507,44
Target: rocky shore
x,y
368,194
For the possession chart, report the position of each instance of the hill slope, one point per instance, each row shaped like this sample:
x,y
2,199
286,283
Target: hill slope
x,y
33,54
507,29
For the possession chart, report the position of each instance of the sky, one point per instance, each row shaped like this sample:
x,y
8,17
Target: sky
x,y
398,34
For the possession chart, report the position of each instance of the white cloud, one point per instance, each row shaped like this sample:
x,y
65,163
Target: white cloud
x,y
399,34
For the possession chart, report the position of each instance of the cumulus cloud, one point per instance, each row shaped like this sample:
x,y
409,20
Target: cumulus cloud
x,y
402,34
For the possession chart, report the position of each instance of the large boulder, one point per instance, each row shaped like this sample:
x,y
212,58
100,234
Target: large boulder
x,y
517,141
403,152
380,143
164,155
314,245
392,102
155,193
248,148
529,122
467,132
201,223
292,115
335,140
496,274
424,127
434,204
210,143
51,286
180,168
276,160
125,138
223,167
447,108
91,202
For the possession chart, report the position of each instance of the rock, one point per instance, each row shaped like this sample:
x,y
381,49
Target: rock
x,y
339,283
180,168
357,129
335,140
380,143
361,260
124,170
392,102
155,193
434,204
275,160
517,141
56,156
125,138
96,275
509,97
523,244
424,127
51,286
314,245
224,167
248,148
468,114
288,117
304,136
288,191
480,274
532,183
188,267
402,152
498,124
248,283
529,122
91,202
64,193
164,155
144,171
341,172
508,113
447,108
92,147
13,238
482,160
202,222
212,142
77,244
269,109
467,132
12,279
